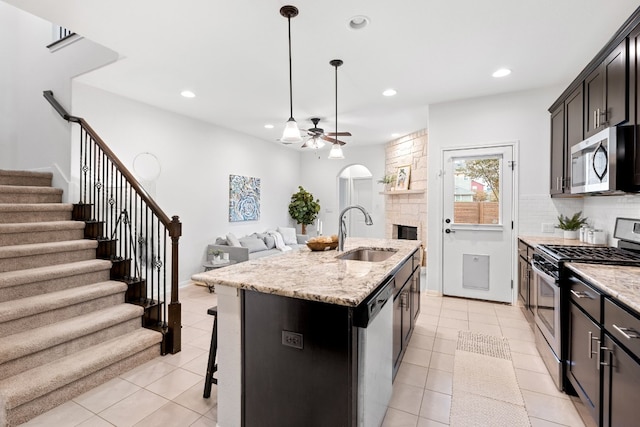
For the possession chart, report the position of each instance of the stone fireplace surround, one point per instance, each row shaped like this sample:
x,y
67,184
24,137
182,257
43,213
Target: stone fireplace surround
x,y
407,208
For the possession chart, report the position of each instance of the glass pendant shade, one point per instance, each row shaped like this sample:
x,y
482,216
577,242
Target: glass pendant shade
x,y
291,132
336,152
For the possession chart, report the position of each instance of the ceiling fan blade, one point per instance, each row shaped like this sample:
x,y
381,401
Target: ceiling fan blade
x,y
332,140
338,133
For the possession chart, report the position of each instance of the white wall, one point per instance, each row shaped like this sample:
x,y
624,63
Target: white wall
x,y
520,116
319,176
196,160
32,134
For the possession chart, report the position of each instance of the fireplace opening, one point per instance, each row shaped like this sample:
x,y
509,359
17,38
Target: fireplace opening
x,y
406,232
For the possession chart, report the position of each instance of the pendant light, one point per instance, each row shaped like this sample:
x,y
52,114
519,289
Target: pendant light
x,y
291,133
336,149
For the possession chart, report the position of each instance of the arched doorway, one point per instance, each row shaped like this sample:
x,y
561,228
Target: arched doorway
x,y
355,187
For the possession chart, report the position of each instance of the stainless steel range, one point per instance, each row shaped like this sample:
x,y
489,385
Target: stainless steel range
x,y
551,298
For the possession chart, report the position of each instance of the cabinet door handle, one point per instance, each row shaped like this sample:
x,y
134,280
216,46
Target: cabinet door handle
x,y
580,294
598,360
623,331
558,183
595,119
603,349
591,340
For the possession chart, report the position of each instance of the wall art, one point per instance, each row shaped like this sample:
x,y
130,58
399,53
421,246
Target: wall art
x,y
244,198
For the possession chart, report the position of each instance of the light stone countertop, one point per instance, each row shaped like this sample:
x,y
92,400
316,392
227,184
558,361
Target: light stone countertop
x,y
315,276
551,240
619,282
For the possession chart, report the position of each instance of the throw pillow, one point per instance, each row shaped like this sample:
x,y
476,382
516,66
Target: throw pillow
x,y
288,235
268,240
232,240
253,244
221,241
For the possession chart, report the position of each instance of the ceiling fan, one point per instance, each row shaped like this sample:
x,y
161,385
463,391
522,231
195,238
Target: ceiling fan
x,y
317,134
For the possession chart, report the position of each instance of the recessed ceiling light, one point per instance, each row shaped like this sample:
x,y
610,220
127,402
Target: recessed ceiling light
x,y
358,22
502,72
389,92
188,94
268,126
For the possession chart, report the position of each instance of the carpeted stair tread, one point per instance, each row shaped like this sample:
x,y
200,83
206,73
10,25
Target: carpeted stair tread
x,y
12,177
30,306
46,248
29,194
36,382
40,232
30,227
34,212
20,277
28,207
24,189
35,340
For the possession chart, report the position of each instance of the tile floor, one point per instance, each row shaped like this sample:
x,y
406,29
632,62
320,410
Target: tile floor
x,y
167,391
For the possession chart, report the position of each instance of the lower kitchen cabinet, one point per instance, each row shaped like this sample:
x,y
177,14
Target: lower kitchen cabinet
x,y
603,362
620,386
406,306
525,281
582,365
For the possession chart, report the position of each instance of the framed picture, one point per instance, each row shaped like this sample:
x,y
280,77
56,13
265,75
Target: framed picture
x,y
244,198
402,179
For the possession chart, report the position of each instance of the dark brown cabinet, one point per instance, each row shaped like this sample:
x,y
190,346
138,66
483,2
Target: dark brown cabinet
x,y
582,365
406,306
603,363
557,151
620,386
620,367
525,293
606,92
632,153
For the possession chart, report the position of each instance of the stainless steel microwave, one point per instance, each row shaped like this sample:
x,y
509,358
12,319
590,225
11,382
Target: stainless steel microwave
x,y
593,163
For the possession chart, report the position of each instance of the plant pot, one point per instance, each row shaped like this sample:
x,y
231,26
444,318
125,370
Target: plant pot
x,y
571,234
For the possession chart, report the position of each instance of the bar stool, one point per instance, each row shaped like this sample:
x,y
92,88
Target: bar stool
x,y
212,366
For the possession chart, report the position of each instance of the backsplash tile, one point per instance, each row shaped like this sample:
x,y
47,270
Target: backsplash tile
x,y
601,211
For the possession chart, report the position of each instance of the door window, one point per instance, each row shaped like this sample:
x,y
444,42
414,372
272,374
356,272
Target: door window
x,y
476,190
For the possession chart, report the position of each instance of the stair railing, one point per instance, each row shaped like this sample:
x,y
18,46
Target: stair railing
x,y
134,224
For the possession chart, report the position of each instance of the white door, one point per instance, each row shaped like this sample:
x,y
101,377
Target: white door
x,y
478,223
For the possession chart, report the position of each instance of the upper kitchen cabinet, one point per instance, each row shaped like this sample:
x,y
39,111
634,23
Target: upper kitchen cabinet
x,y
606,92
558,150
633,144
566,130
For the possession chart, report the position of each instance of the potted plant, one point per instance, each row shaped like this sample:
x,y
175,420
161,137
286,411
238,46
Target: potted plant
x,y
216,254
571,225
303,208
388,181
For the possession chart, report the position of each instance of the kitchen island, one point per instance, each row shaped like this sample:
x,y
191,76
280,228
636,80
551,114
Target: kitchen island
x,y
286,327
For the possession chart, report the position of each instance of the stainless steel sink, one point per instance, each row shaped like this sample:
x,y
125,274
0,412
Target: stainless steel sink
x,y
367,254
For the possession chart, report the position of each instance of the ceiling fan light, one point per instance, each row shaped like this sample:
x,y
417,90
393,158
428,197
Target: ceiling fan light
x,y
318,143
336,152
291,132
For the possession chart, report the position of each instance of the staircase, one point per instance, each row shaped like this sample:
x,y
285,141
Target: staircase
x,y
64,325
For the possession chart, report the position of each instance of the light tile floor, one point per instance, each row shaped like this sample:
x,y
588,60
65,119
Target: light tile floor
x,y
167,391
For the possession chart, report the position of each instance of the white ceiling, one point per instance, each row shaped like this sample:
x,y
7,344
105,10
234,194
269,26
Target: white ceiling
x,y
233,55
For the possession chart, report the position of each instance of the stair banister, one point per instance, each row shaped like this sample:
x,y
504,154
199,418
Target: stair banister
x,y
171,320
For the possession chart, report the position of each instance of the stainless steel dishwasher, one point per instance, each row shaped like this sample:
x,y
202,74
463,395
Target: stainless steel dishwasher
x,y
374,320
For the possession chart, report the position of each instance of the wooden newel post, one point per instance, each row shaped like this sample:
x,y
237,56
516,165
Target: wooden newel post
x,y
174,323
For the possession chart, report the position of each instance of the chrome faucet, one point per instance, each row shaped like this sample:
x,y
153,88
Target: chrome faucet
x,y
342,226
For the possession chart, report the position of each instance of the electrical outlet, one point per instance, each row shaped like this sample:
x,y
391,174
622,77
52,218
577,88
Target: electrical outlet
x,y
292,339
548,227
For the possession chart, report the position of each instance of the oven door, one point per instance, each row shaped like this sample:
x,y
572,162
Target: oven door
x,y
547,308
